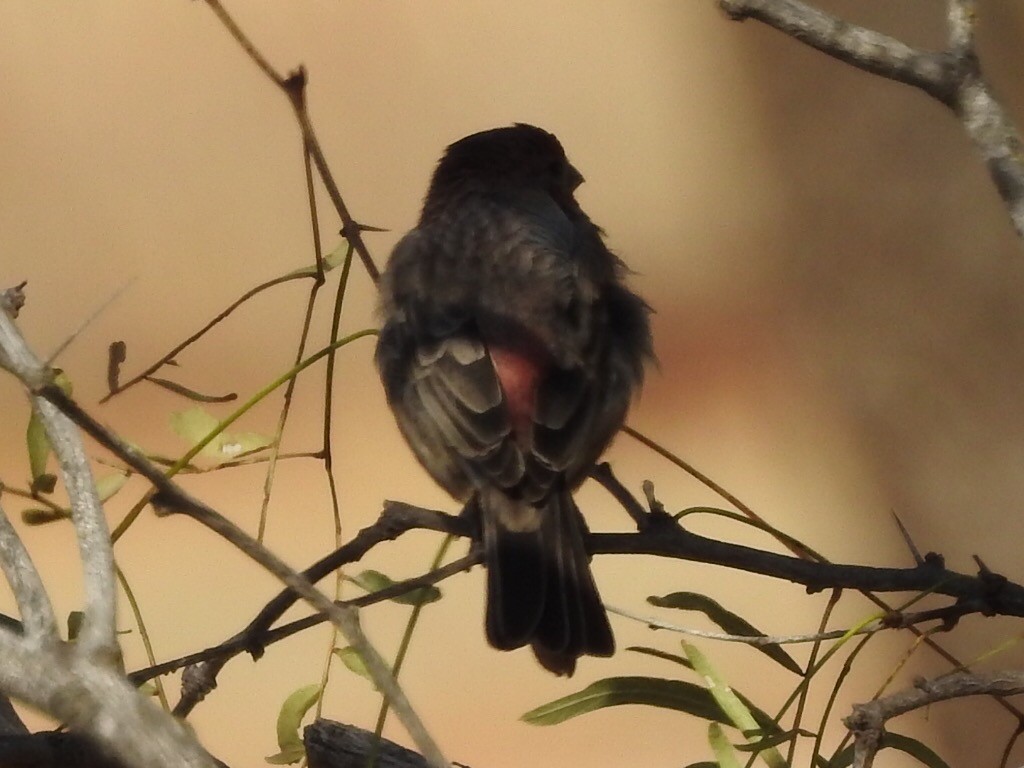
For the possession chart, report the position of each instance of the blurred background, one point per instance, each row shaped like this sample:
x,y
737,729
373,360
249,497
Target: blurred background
x,y
839,323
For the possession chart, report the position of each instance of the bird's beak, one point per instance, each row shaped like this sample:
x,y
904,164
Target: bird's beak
x,y
573,177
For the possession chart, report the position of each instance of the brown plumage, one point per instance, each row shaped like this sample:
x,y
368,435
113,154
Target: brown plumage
x,y
509,352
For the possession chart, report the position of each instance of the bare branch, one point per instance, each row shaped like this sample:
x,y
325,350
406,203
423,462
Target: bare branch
x,y
38,619
98,632
864,48
118,353
868,720
172,499
13,299
294,87
953,77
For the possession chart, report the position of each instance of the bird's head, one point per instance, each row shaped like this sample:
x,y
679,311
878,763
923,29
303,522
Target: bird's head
x,y
521,156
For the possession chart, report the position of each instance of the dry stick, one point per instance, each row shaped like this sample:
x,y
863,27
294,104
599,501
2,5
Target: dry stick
x,y
307,321
203,331
344,618
952,77
868,720
327,455
98,635
241,642
294,87
805,690
38,621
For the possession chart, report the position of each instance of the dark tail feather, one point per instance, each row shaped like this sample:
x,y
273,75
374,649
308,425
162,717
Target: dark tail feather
x,y
516,581
539,586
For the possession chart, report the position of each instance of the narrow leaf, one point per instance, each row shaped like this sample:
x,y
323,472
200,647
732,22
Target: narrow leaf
x,y
374,581
727,620
38,453
108,485
916,749
353,661
725,755
659,654
191,394
615,691
38,444
289,719
737,711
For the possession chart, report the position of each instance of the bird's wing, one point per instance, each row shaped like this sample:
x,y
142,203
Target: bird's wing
x,y
454,294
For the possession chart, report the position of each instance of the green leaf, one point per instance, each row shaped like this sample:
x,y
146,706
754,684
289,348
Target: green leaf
x,y
332,260
914,748
195,424
38,453
614,691
725,755
289,719
38,444
336,257
353,661
774,740
674,657
735,708
232,445
293,754
727,620
921,752
110,484
374,581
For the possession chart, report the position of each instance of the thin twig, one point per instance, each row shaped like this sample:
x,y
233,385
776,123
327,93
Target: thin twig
x,y
220,316
240,643
294,87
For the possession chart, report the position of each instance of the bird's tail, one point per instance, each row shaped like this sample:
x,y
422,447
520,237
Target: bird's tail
x,y
539,586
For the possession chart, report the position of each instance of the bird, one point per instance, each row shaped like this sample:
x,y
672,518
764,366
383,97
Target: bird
x,y
509,351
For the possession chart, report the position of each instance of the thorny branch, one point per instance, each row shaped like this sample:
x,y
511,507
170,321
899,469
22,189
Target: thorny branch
x,y
659,535
294,87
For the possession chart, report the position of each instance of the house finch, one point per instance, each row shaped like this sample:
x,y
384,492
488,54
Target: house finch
x,y
509,352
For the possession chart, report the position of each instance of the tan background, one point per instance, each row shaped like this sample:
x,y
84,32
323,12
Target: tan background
x,y
838,293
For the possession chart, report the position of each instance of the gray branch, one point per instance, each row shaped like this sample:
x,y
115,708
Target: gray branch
x,y
868,720
952,76
38,619
81,683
